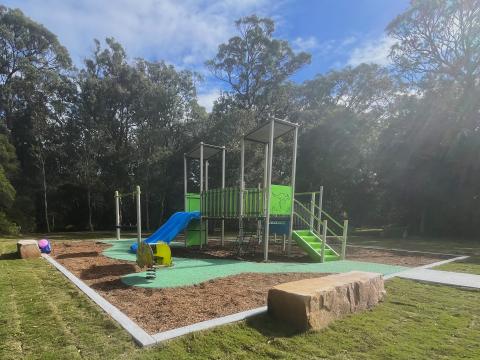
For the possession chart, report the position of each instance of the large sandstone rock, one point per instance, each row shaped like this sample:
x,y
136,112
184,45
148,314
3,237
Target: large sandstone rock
x,y
314,303
28,249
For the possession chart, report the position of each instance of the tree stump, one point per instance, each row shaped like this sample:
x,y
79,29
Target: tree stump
x,y
28,249
314,303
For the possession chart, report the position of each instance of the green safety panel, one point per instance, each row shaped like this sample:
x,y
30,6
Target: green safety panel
x,y
225,202
281,200
193,233
193,202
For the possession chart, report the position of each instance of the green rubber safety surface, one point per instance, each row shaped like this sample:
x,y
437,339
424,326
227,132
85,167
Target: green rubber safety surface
x,y
120,249
187,271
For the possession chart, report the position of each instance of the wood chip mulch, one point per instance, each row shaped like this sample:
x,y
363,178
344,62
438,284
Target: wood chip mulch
x,y
164,309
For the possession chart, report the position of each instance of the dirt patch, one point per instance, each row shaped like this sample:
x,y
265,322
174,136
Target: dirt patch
x,y
390,257
229,251
163,309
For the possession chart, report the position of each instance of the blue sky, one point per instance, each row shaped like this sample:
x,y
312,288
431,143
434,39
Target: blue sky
x,y
187,32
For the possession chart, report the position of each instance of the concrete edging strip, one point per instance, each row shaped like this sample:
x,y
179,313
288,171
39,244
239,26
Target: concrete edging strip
x,y
443,277
204,325
428,266
438,263
144,339
401,250
140,335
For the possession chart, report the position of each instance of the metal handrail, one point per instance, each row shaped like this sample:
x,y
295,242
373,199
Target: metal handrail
x,y
306,222
307,210
329,216
339,238
312,215
315,232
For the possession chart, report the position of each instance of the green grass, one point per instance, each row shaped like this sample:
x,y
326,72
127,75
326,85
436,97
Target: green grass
x,y
470,265
43,316
458,246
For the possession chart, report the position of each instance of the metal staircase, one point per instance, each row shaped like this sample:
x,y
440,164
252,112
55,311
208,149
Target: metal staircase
x,y
314,246
313,234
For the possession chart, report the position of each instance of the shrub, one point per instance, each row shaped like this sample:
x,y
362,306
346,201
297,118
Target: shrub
x,y
8,227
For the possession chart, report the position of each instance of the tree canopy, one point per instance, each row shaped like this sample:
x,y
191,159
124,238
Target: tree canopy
x,y
393,145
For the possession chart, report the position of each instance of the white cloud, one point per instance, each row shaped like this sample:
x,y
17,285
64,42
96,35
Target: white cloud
x,y
348,41
207,98
372,51
183,33
334,47
305,44
188,30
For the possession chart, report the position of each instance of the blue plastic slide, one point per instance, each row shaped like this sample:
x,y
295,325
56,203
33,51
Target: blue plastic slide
x,y
169,231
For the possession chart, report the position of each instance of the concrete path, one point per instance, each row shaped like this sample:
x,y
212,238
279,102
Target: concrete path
x,y
442,277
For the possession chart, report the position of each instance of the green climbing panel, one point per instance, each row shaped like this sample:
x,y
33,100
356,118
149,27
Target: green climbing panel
x,y
281,200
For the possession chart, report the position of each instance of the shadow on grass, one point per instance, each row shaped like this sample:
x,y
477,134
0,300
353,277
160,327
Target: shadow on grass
x,y
101,271
78,255
9,256
271,328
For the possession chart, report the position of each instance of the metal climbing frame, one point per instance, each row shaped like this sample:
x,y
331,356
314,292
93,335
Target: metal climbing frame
x,y
270,205
203,153
266,134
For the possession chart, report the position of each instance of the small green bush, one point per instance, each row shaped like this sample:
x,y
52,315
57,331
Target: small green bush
x,y
8,227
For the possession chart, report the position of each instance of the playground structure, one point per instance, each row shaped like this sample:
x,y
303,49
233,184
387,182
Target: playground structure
x,y
197,231
275,209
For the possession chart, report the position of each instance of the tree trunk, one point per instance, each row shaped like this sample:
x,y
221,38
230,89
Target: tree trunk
x,y
162,208
147,210
89,200
45,202
147,198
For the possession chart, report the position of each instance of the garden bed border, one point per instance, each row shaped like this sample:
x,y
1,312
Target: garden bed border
x,y
144,339
140,336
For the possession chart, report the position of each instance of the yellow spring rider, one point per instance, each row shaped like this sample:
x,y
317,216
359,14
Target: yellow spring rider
x,y
152,256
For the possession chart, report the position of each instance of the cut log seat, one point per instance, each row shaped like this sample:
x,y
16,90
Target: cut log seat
x,y
314,303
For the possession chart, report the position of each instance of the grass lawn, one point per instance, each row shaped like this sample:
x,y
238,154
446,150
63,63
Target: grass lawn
x,y
43,316
470,265
441,245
